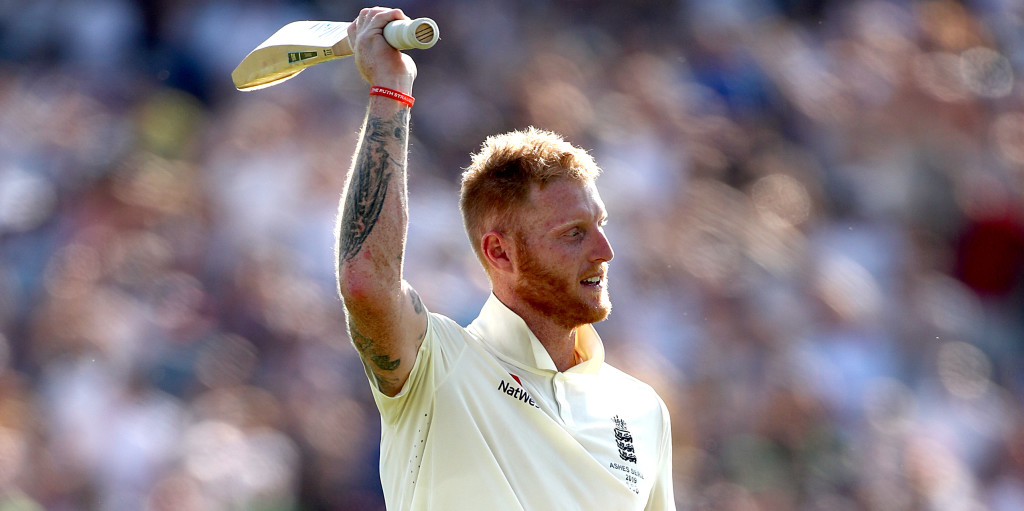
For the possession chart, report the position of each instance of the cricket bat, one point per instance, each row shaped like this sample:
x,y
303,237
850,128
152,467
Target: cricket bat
x,y
301,44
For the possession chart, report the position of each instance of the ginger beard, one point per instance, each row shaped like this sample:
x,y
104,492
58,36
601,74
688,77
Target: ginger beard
x,y
557,295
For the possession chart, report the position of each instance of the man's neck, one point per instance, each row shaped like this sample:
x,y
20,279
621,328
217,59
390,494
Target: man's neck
x,y
559,341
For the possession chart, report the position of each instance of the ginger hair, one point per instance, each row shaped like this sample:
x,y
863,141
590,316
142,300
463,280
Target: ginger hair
x,y
498,180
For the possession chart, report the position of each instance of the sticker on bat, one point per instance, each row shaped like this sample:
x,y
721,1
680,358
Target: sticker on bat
x,y
296,56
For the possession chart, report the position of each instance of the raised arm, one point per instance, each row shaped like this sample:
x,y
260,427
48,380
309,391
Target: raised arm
x,y
386,319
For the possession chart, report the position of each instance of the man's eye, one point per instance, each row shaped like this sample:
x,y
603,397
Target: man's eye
x,y
574,233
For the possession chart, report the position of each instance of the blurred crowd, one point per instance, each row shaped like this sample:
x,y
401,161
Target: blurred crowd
x,y
817,209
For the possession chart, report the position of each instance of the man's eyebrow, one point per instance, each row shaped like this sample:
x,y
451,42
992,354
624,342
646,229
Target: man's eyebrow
x,y
581,219
567,224
570,222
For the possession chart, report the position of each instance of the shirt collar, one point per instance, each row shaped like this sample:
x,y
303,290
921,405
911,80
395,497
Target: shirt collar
x,y
504,331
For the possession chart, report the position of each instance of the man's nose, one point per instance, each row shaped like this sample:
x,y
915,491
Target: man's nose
x,y
602,250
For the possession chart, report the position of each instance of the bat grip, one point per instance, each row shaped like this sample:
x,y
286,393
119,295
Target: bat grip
x,y
420,33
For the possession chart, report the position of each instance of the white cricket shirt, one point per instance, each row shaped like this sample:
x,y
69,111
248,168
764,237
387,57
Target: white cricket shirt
x,y
486,422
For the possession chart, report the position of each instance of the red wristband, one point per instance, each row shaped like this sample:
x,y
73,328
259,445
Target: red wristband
x,y
393,94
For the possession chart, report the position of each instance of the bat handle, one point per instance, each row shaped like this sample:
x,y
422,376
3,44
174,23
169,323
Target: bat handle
x,y
420,33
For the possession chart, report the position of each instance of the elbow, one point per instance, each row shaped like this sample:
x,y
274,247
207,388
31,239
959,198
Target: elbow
x,y
364,290
364,298
353,286
366,282
356,294
351,275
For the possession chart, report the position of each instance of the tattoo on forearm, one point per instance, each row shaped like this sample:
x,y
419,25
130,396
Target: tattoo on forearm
x,y
367,347
371,175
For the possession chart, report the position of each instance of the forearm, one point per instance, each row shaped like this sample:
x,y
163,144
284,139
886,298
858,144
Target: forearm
x,y
374,208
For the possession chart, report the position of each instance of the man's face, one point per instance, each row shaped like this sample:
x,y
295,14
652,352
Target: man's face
x,y
563,254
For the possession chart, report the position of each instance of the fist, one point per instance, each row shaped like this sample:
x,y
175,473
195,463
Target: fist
x,y
377,61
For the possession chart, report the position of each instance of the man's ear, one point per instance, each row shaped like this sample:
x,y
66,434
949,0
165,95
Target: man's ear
x,y
498,251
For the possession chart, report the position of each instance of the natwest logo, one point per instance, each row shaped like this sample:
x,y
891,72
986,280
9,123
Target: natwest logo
x,y
517,392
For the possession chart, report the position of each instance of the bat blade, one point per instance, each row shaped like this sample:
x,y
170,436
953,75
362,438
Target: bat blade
x,y
290,50
301,44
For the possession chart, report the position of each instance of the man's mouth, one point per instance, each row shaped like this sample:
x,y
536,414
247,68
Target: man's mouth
x,y
592,281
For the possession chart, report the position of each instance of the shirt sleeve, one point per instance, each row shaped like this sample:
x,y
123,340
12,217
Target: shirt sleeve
x,y
441,344
662,495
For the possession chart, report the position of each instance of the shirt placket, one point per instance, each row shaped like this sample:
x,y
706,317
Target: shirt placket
x,y
559,384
